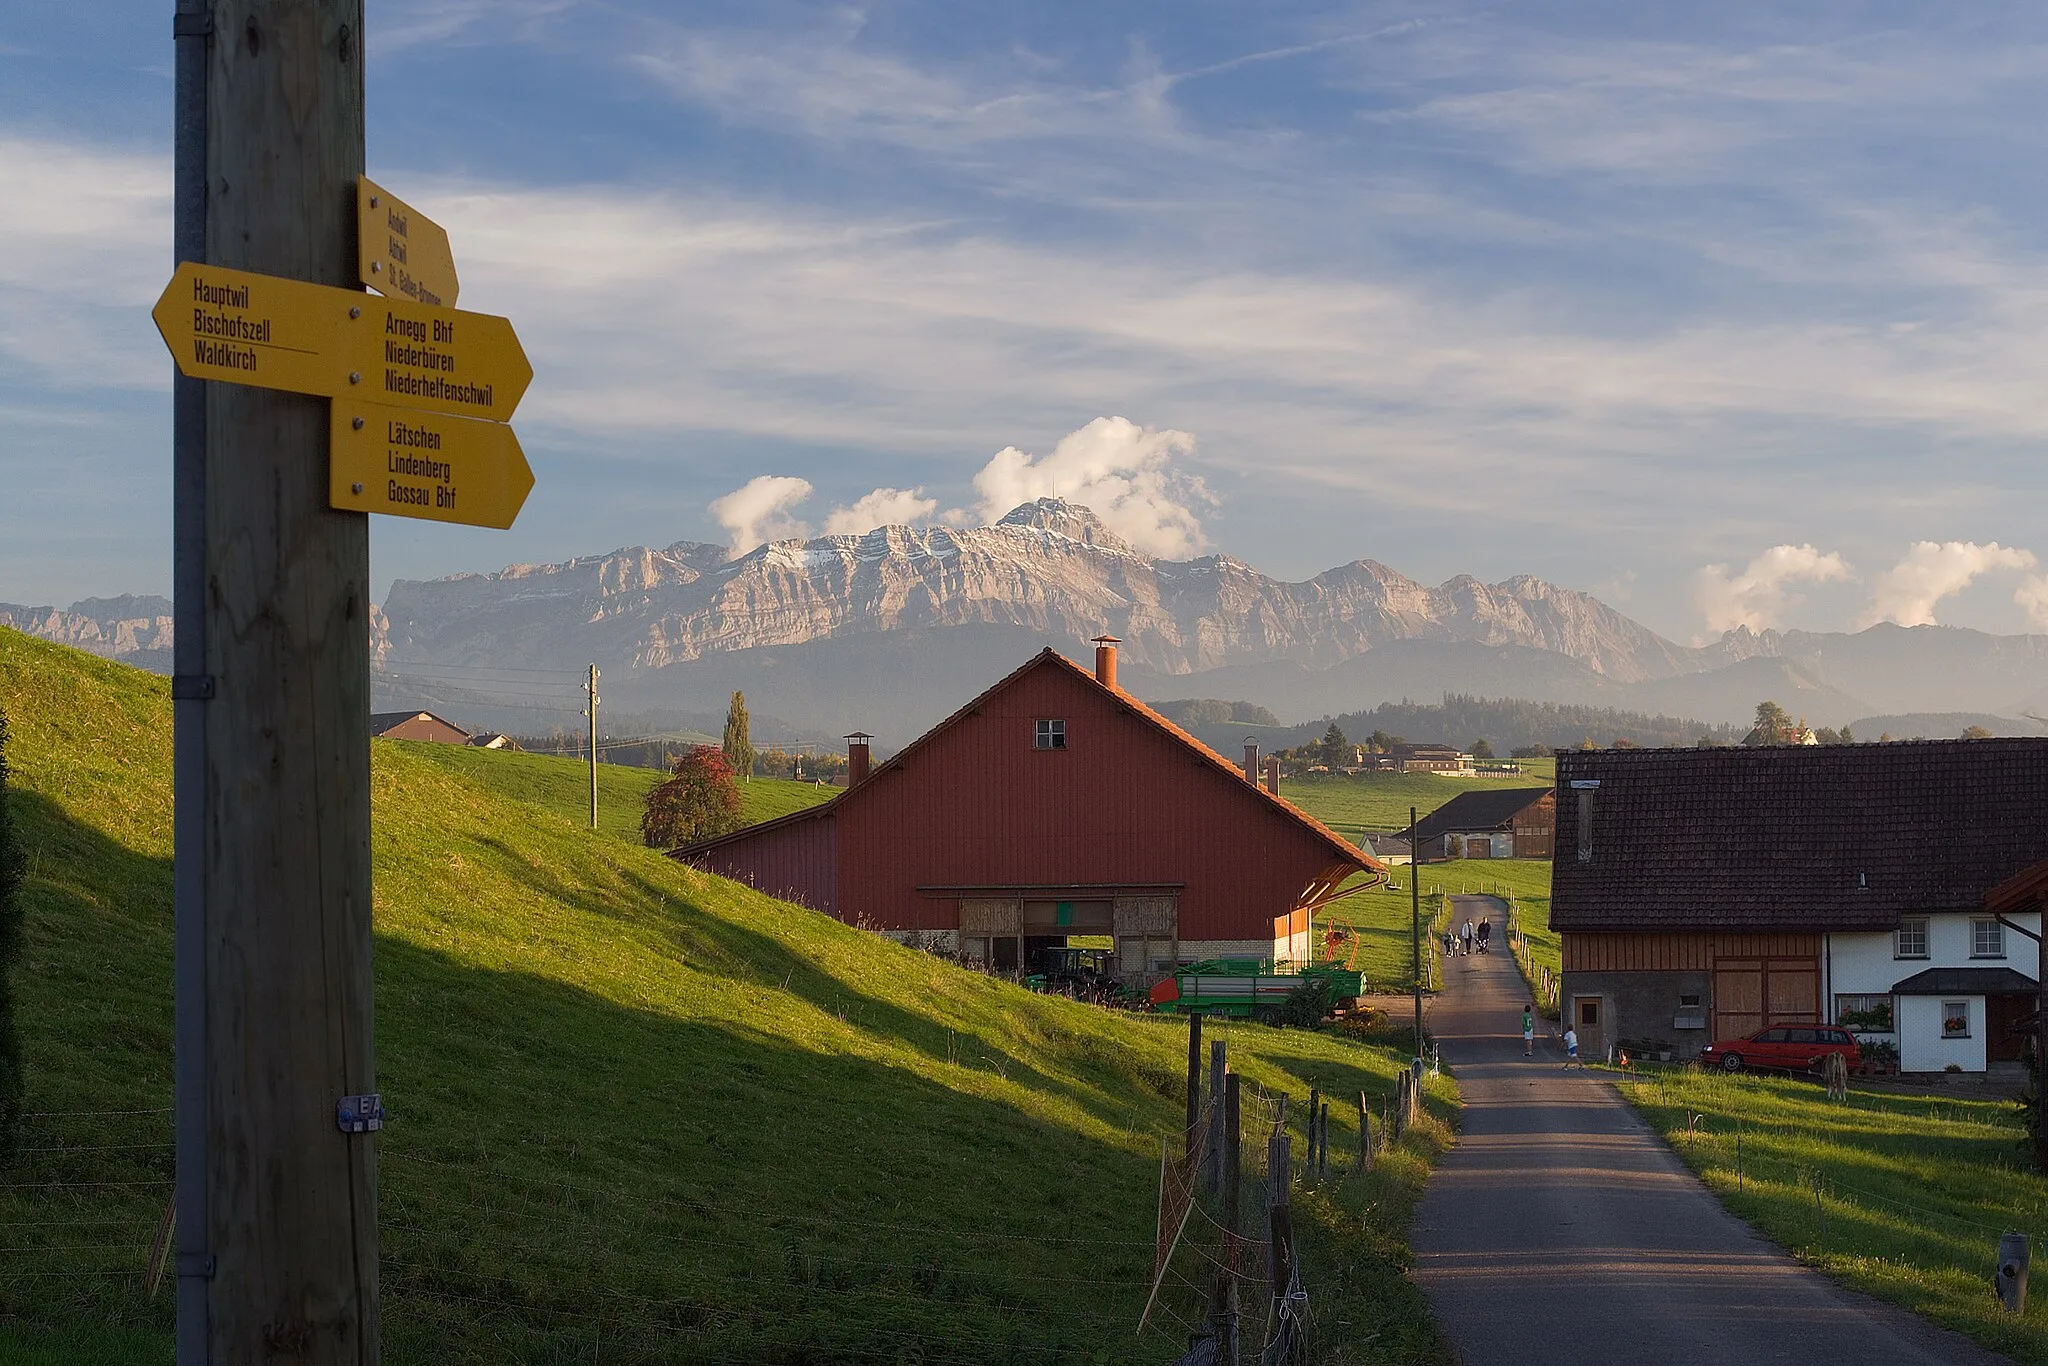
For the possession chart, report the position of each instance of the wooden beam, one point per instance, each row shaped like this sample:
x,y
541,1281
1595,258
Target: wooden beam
x,y
293,1219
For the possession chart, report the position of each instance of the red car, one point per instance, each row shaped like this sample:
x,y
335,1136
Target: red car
x,y
1793,1048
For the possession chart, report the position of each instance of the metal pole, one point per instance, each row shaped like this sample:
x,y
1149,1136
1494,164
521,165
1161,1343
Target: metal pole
x,y
1415,920
191,686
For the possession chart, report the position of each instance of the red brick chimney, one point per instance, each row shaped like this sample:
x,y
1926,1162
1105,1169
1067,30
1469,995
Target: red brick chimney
x,y
1105,660
1251,761
1273,774
857,758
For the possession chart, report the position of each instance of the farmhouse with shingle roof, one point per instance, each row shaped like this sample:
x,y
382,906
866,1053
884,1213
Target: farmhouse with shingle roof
x,y
1703,894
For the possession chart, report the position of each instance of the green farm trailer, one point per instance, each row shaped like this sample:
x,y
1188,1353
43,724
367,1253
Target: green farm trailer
x,y
1248,988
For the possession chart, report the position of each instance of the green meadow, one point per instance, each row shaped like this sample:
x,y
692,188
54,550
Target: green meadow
x,y
562,785
1378,803
637,1113
1913,1190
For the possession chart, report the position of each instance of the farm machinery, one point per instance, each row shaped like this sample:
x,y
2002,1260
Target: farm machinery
x,y
1250,988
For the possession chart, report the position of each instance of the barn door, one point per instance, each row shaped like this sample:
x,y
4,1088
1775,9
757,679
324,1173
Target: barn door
x,y
1792,990
1738,997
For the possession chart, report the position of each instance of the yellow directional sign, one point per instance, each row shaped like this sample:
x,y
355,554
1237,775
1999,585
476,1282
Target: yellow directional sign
x,y
399,250
274,333
429,465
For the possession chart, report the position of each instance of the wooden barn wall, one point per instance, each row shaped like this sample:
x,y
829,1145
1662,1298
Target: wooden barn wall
x,y
1678,951
979,807
795,862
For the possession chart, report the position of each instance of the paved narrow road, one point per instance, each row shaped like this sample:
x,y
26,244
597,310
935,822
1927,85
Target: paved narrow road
x,y
1559,1229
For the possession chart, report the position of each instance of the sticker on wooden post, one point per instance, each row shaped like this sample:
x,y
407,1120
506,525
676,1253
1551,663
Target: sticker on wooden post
x,y
425,465
400,252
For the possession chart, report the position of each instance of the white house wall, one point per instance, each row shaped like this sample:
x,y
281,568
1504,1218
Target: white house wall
x,y
1863,963
1921,1047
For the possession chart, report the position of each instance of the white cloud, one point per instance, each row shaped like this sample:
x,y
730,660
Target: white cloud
x,y
2032,596
1759,596
883,507
759,511
1124,472
1932,570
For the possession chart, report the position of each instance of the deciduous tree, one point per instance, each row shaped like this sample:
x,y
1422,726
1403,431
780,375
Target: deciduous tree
x,y
696,801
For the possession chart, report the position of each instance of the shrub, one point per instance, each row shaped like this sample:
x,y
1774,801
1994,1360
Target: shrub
x,y
698,800
1306,1005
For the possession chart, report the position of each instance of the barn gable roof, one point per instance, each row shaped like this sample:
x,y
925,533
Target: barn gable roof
x,y
381,721
1485,809
1836,837
1341,850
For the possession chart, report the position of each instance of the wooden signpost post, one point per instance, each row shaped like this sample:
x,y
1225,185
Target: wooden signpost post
x,y
301,402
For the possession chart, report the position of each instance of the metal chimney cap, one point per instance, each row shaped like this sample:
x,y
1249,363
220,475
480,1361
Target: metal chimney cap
x,y
1105,640
860,735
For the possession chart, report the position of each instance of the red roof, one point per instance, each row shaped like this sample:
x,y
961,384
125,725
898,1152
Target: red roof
x,y
1341,849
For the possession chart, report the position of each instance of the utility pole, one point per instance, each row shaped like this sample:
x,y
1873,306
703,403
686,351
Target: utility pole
x,y
191,687
1415,921
289,1235
590,691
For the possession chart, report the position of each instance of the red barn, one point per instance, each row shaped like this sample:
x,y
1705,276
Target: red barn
x,y
1055,804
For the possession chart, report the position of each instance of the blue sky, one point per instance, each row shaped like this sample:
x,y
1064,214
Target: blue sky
x,y
1609,293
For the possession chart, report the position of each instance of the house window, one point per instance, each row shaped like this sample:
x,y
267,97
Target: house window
x,y
1911,940
1052,735
1872,1014
1987,939
1955,1019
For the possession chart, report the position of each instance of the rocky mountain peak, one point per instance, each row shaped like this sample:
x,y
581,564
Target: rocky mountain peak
x,y
1062,518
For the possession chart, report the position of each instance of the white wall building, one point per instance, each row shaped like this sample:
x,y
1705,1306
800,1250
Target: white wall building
x,y
1944,988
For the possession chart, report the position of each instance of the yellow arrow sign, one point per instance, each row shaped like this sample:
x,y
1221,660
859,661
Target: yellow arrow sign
x,y
428,465
244,328
399,250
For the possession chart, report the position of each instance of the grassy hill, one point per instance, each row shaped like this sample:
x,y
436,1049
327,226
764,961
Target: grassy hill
x,y
562,785
1379,802
637,1113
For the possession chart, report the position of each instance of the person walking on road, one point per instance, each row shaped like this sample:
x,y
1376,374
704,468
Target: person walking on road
x,y
1571,1049
1465,936
1485,929
1529,1030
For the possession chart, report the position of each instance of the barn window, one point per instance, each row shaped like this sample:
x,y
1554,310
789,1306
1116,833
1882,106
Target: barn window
x,y
1052,735
1912,938
1987,939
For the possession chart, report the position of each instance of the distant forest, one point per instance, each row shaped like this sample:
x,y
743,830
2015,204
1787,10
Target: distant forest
x,y
1508,724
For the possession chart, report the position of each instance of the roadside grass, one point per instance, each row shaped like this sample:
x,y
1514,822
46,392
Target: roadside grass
x,y
562,785
1378,802
636,1112
1915,1189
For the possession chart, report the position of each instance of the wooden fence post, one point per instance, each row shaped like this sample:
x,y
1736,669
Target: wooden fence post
x,y
1364,1135
1323,1144
1218,1069
1280,1220
1308,1166
1191,1138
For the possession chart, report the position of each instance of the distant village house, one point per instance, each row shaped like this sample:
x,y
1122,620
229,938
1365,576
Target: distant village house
x,y
1516,822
